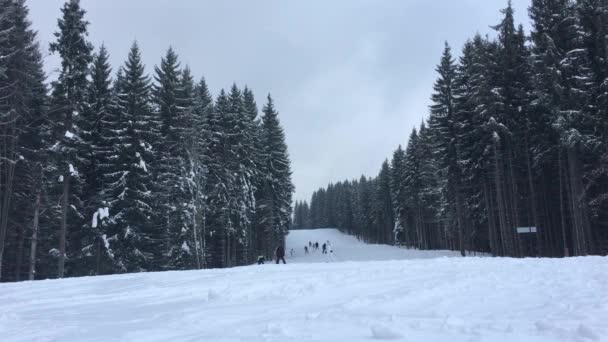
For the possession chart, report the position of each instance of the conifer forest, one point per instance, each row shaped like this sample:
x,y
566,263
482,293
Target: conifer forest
x,y
512,158
108,171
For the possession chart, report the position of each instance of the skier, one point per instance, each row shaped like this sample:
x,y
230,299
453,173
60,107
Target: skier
x,y
261,260
280,254
324,248
309,244
292,252
305,249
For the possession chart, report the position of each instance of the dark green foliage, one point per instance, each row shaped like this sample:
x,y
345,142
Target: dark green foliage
x,y
516,138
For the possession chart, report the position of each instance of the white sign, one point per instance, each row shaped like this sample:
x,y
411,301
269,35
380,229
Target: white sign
x,y
522,230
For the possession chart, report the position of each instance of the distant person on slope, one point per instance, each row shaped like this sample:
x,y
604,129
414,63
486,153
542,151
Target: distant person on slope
x,y
292,252
324,248
261,260
280,254
305,249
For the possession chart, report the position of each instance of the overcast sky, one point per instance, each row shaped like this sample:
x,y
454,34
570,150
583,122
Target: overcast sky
x,y
350,78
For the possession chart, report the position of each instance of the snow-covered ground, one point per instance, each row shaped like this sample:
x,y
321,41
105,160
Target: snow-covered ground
x,y
426,299
348,248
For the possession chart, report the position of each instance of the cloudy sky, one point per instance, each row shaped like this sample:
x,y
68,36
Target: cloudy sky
x,y
350,78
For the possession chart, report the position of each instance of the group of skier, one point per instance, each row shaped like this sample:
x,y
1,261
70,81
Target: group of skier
x,y
315,246
279,253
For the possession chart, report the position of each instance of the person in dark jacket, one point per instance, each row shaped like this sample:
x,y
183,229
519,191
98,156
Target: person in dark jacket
x,y
261,260
280,254
324,248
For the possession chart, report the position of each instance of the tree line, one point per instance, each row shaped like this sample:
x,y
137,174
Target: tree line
x,y
104,173
517,137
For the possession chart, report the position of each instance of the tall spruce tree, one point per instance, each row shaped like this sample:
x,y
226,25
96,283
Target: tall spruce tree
x,y
277,186
23,111
133,240
445,127
69,101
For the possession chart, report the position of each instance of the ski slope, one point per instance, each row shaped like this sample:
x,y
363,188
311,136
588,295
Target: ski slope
x,y
416,298
348,248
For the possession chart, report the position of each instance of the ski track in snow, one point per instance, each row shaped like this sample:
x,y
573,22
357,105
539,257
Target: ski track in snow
x,y
420,296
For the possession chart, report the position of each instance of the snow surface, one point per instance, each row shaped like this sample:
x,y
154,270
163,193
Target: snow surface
x,y
420,299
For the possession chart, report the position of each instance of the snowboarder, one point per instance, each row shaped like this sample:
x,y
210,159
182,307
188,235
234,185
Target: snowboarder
x,y
261,260
280,254
305,249
324,249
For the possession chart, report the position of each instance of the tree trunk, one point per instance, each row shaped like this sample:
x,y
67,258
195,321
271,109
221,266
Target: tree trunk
x,y
34,242
532,198
8,152
35,225
20,251
562,207
63,227
580,217
500,201
514,207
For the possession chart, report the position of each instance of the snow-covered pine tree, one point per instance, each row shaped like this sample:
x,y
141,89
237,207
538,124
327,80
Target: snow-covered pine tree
x,y
220,183
170,156
561,79
23,111
133,241
593,17
243,164
99,152
412,188
384,207
185,251
200,154
431,188
443,124
277,188
69,101
399,195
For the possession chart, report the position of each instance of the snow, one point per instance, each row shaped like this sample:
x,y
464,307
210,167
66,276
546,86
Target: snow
x,y
419,296
69,135
348,248
185,247
100,214
72,170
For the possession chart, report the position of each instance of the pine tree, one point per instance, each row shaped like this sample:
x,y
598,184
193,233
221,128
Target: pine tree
x,y
398,195
219,185
200,154
133,240
69,101
443,124
23,111
100,152
277,187
384,206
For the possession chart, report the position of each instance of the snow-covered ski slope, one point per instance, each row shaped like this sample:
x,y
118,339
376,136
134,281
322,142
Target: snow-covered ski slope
x,y
348,248
425,299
